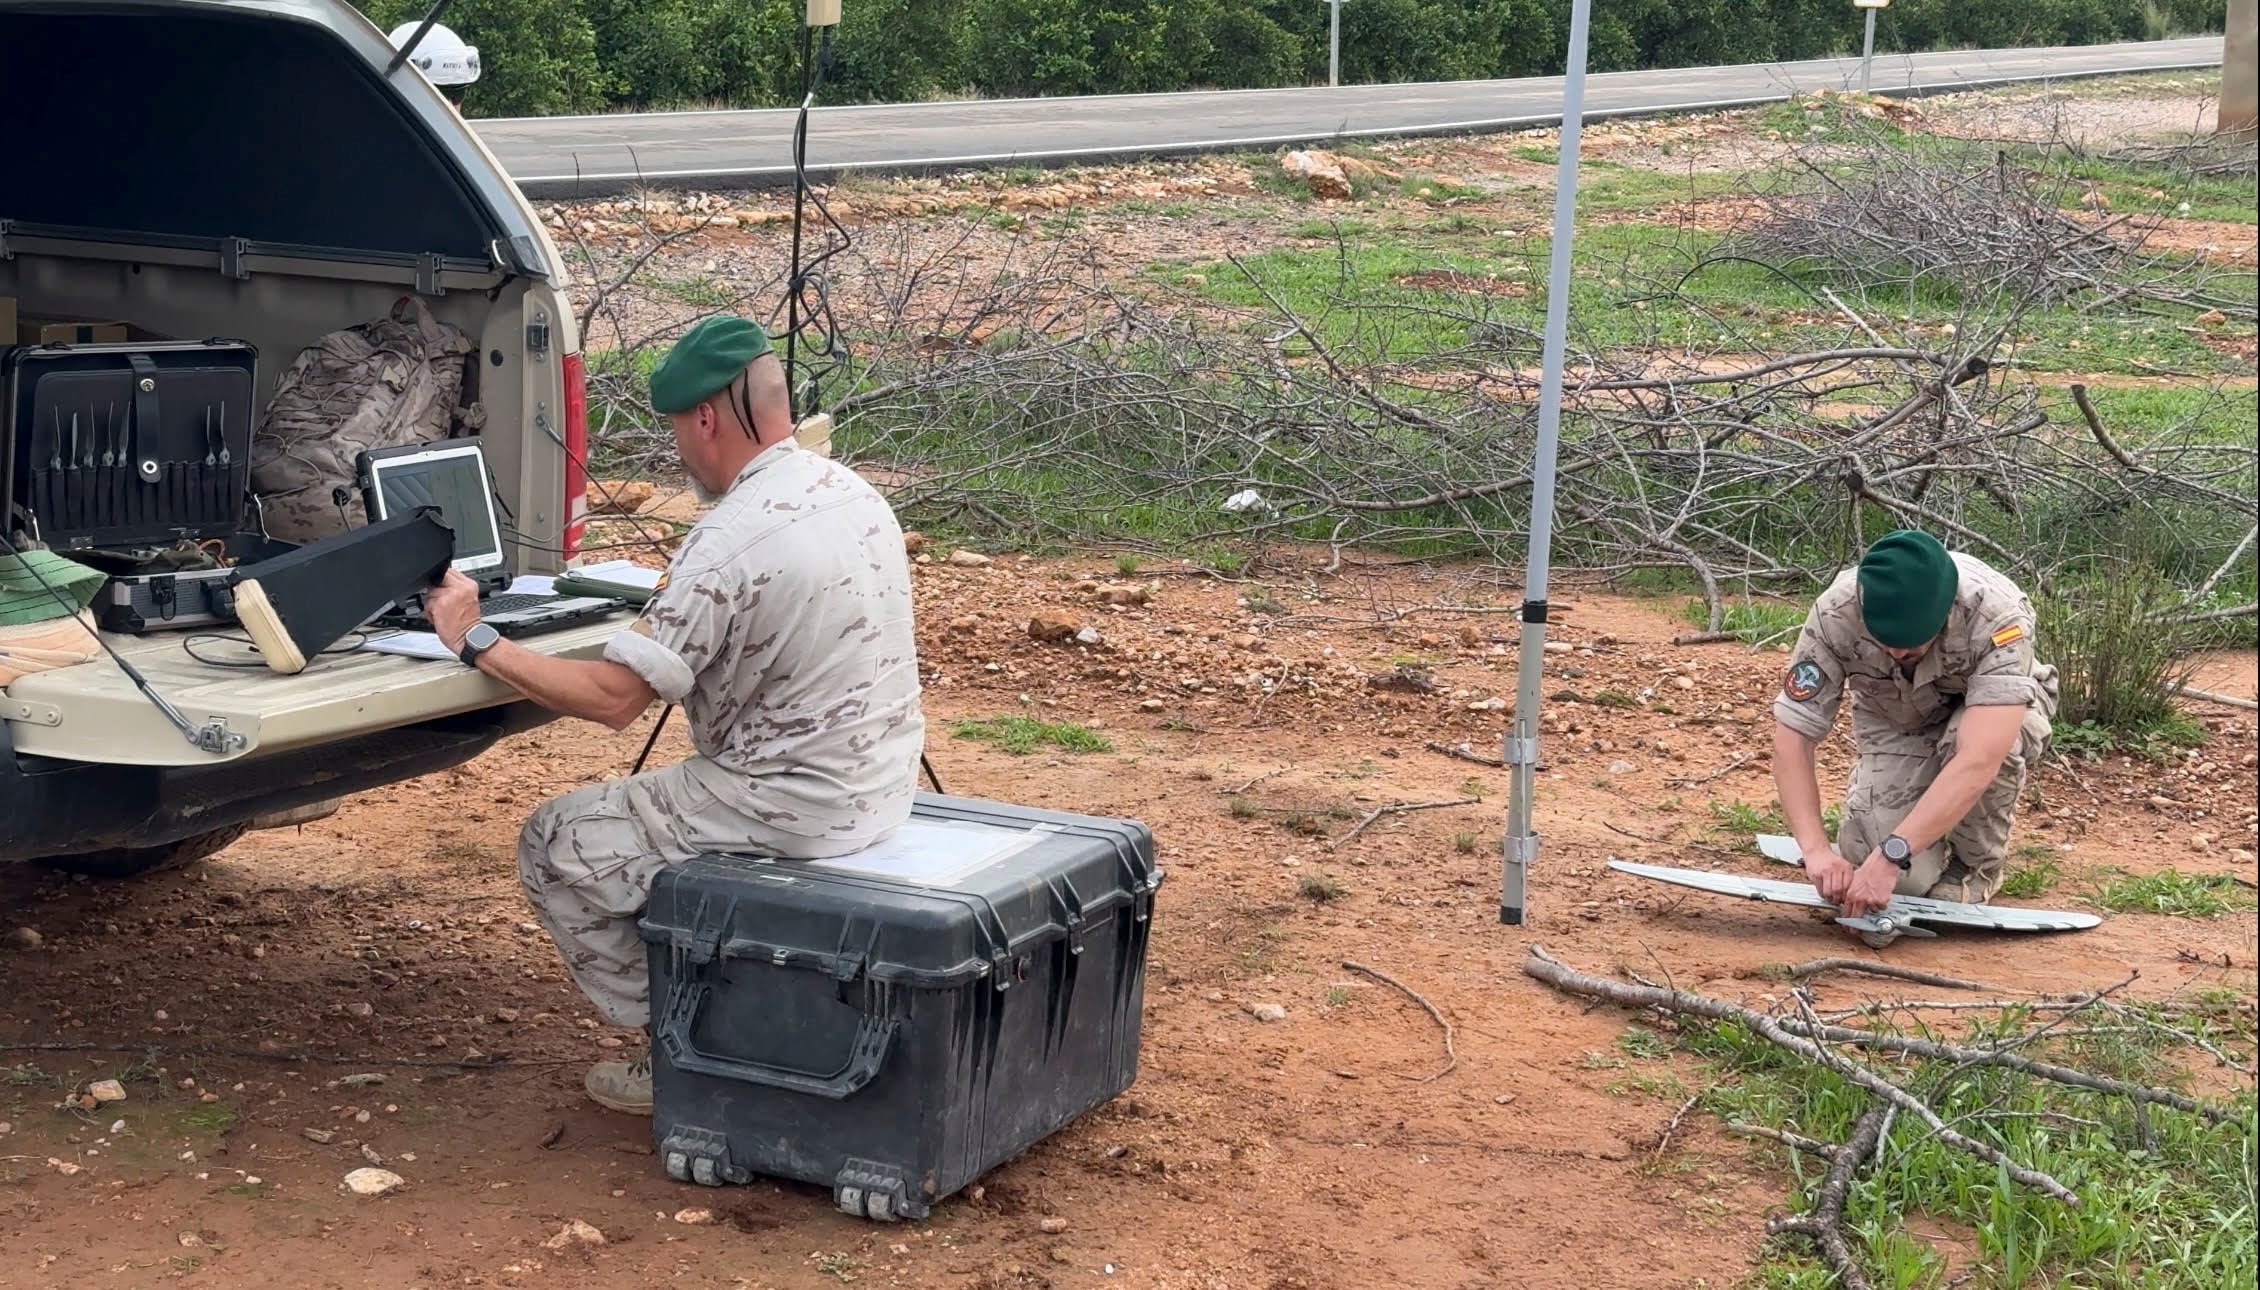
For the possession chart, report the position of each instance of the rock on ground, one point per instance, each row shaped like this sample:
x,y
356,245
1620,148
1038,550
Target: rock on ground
x,y
374,1182
574,1233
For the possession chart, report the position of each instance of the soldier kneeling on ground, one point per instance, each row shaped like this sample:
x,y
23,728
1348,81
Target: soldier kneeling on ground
x,y
1949,711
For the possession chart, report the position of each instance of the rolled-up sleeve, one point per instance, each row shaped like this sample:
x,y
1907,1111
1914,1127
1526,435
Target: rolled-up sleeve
x,y
1812,687
684,628
2003,677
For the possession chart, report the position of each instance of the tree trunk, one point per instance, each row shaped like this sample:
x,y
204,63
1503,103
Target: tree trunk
x,y
2240,70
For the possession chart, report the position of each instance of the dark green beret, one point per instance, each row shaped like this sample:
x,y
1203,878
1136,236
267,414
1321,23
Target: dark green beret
x,y
1907,586
704,362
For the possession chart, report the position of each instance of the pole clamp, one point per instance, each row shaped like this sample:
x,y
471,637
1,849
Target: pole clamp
x,y
1519,750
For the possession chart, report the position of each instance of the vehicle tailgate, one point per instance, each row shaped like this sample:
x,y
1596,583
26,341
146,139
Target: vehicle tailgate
x,y
93,713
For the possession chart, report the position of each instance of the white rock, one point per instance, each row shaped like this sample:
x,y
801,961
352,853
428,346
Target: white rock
x,y
372,1182
1620,767
106,1090
25,939
694,1217
1267,1012
574,1233
968,559
1560,647
1087,636
1492,704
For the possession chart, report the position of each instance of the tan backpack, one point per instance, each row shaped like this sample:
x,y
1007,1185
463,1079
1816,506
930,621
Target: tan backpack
x,y
382,384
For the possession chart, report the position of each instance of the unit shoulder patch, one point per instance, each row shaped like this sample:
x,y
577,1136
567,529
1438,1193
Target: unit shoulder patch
x,y
1802,681
2009,635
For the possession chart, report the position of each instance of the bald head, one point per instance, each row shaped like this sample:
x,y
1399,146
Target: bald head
x,y
719,434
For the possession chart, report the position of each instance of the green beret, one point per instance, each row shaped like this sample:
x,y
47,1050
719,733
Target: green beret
x,y
704,362
1907,586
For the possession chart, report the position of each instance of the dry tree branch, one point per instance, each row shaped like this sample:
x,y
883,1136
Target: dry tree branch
x,y
1869,968
1823,1224
1451,1054
1400,808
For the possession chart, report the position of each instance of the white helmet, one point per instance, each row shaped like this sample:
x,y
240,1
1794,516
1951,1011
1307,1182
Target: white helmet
x,y
441,55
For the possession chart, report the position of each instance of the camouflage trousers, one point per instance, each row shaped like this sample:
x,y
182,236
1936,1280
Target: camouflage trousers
x,y
1896,768
587,861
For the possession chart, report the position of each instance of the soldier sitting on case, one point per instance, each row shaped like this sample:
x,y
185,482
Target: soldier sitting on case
x,y
783,627
1949,710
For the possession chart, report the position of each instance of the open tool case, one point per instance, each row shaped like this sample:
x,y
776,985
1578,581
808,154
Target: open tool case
x,y
137,445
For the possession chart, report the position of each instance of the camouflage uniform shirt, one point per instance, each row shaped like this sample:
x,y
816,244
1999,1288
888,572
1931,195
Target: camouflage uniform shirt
x,y
1983,657
783,627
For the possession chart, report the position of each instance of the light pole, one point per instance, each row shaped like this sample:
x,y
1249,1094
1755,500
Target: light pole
x,y
1867,42
1334,43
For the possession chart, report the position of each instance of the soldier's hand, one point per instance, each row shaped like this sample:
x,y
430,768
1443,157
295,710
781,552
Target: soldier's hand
x,y
452,607
1830,872
1871,887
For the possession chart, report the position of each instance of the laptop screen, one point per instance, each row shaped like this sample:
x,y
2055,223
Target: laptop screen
x,y
452,478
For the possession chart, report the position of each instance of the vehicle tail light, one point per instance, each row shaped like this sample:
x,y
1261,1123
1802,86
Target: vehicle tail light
x,y
576,454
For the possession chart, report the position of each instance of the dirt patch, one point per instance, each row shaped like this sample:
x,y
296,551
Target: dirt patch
x,y
1301,1152
1469,284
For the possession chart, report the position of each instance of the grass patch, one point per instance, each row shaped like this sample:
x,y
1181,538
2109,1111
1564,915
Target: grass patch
x,y
1751,621
1739,816
1246,808
1339,996
2175,894
210,1119
1646,1044
2035,875
1261,601
1321,888
1464,843
2175,1212
1020,735
1127,565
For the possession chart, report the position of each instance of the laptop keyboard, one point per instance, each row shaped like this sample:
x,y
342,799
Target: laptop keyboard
x,y
511,601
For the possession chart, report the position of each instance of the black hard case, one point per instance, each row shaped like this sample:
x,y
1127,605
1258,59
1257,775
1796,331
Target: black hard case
x,y
173,419
894,1038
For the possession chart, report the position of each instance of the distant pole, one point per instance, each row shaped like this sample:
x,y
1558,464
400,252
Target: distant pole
x,y
1521,750
1867,54
1334,43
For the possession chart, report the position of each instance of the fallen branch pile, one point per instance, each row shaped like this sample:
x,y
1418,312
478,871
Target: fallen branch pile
x,y
1835,1048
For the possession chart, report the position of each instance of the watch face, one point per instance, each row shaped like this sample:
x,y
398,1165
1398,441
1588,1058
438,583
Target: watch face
x,y
1895,848
481,636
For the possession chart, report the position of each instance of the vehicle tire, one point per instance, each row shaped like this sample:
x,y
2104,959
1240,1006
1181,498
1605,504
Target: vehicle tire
x,y
132,862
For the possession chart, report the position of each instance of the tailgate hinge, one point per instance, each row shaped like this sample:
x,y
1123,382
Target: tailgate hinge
x,y
31,714
235,252
5,252
537,336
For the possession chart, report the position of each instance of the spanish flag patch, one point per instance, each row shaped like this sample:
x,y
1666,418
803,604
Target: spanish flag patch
x,y
2008,635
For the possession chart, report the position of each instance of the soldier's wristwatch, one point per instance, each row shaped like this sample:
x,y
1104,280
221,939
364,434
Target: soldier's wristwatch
x,y
1896,850
477,641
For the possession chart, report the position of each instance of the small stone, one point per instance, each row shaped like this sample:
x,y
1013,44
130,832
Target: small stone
x,y
209,1098
191,1241
359,1009
1214,996
964,626
1620,767
117,1128
611,1041
694,1217
1052,1226
1470,638
1504,1099
64,1167
1152,705
1683,682
323,1136
1088,636
372,1182
1248,641
574,1233
968,559
504,1016
163,1015
1123,594
1560,647
528,929
1050,625
6,1128
369,1154
25,939
2211,318
106,1090
1267,1012
913,542
1492,704
362,1081
2200,841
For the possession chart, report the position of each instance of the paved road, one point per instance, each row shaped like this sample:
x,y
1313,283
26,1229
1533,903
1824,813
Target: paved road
x,y
591,155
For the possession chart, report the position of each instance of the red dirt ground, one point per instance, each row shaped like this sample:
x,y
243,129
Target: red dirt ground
x,y
1304,1154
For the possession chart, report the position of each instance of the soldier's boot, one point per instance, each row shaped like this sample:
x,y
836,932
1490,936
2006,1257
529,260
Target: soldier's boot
x,y
1969,885
621,1086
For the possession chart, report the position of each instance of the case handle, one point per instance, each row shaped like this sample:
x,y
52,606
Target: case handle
x,y
867,1053
143,433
